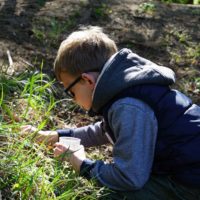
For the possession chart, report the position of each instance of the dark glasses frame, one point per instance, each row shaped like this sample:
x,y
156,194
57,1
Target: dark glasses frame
x,y
67,90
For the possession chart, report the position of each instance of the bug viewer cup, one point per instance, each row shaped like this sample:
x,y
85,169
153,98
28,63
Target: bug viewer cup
x,y
74,144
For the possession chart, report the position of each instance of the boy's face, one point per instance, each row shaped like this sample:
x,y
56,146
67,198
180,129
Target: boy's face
x,y
82,90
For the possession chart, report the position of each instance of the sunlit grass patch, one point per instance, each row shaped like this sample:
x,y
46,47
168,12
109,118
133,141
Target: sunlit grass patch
x,y
27,169
182,1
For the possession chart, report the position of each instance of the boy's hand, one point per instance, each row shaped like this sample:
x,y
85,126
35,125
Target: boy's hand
x,y
75,158
60,150
47,137
27,129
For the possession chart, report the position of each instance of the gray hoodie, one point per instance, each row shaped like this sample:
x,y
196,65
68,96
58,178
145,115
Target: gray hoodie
x,y
132,121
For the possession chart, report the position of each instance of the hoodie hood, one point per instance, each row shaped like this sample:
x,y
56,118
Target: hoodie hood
x,y
125,69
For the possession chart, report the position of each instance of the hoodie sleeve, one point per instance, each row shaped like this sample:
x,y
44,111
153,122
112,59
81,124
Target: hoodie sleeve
x,y
91,135
135,127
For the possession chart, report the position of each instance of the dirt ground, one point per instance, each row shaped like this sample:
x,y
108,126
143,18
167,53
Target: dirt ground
x,y
31,30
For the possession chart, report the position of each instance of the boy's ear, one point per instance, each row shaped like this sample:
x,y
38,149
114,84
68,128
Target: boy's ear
x,y
90,78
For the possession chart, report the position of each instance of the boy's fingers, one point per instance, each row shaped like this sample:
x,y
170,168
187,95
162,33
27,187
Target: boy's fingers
x,y
24,128
56,144
27,128
59,150
61,147
56,151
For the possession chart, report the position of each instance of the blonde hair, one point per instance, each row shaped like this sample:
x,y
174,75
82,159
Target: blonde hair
x,y
84,50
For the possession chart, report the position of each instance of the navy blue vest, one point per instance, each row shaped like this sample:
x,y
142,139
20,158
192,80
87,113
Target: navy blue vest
x,y
177,151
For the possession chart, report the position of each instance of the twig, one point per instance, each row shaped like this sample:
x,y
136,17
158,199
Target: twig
x,y
10,69
26,62
10,59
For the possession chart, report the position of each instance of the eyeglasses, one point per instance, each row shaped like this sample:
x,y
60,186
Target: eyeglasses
x,y
67,90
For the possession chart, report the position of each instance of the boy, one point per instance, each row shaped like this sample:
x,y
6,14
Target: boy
x,y
155,130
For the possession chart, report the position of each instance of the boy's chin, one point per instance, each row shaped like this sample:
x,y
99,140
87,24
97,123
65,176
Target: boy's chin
x,y
87,108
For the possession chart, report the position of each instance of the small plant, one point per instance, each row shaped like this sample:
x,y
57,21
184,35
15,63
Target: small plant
x,y
194,52
38,33
182,1
101,11
48,31
147,7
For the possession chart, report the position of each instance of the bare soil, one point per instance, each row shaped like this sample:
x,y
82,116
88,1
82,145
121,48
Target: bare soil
x,y
168,34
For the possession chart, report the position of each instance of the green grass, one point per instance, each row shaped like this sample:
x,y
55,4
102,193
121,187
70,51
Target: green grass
x,y
48,30
182,1
27,169
147,7
101,11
